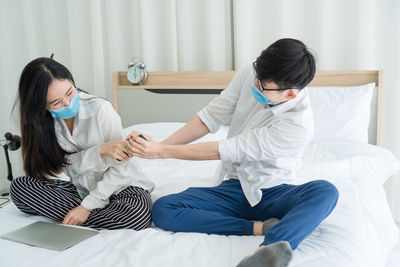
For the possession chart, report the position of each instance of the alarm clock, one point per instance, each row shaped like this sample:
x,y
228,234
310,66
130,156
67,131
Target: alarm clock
x,y
137,73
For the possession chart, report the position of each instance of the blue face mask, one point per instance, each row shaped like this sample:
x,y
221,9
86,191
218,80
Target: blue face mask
x,y
69,111
260,97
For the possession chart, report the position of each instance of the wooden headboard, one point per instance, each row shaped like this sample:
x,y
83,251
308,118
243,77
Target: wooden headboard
x,y
215,81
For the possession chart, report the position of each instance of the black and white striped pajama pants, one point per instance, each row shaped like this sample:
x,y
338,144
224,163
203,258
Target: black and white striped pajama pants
x,y
129,209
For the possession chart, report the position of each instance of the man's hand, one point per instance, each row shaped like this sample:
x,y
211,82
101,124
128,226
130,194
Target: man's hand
x,y
76,216
144,148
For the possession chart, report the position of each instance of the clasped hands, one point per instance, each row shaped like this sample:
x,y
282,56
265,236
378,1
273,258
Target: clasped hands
x,y
133,146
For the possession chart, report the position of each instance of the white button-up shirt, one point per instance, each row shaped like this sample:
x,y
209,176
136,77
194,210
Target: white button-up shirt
x,y
265,143
96,180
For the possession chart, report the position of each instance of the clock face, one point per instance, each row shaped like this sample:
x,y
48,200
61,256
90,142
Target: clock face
x,y
135,74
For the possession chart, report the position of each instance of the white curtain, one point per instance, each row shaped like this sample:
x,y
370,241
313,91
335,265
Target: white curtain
x,y
93,38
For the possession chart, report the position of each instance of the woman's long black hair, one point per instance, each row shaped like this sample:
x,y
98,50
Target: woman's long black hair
x,y
42,156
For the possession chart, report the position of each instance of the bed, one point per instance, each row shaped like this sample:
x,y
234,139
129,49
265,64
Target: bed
x,y
359,232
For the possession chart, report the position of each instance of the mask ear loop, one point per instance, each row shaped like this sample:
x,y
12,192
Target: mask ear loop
x,y
277,95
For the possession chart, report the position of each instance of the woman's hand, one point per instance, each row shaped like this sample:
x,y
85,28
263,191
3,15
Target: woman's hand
x,y
144,148
76,216
117,149
135,134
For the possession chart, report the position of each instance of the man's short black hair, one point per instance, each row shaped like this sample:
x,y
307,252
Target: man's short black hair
x,y
287,62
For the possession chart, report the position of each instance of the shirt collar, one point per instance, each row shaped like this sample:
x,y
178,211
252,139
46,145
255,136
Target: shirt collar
x,y
85,106
281,108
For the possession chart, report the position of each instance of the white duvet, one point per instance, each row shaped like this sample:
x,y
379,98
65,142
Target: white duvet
x,y
359,232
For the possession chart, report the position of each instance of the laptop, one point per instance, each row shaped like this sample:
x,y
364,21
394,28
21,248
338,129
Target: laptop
x,y
3,201
49,235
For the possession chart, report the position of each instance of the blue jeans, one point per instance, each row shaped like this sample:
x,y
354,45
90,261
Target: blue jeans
x,y
225,210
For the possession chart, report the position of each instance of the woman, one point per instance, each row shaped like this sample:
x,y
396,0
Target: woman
x,y
64,129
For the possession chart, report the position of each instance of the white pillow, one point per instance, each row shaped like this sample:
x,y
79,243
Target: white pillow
x,y
337,160
341,113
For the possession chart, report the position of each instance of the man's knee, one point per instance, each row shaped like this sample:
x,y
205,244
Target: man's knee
x,y
326,190
163,212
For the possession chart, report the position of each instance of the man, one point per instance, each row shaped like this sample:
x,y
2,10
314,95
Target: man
x,y
271,125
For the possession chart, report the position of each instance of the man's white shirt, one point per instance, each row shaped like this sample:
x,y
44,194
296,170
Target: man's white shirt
x,y
265,144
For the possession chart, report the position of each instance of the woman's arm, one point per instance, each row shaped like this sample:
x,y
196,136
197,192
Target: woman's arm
x,y
116,174
97,157
86,160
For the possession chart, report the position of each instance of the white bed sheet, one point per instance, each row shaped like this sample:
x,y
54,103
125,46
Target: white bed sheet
x,y
359,232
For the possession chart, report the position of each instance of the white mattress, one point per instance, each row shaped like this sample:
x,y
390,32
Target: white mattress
x,y
359,232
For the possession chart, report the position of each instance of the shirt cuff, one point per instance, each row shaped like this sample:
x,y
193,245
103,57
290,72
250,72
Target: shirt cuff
x,y
91,203
228,151
208,120
97,158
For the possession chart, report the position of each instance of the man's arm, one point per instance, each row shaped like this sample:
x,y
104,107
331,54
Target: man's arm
x,y
218,112
192,130
199,151
150,149
284,139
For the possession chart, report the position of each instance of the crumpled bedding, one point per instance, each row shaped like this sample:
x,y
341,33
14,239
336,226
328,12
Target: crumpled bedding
x,y
359,232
